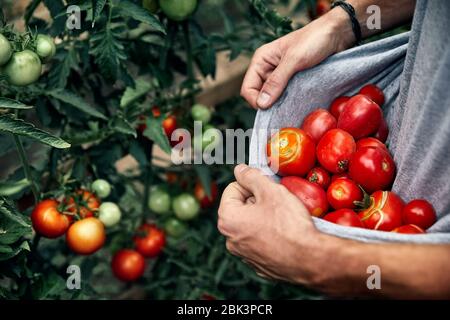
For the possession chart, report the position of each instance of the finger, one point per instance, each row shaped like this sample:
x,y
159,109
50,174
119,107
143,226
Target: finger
x,y
253,180
276,83
235,195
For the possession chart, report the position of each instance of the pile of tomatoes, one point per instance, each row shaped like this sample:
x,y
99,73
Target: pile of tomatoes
x,y
338,157
21,60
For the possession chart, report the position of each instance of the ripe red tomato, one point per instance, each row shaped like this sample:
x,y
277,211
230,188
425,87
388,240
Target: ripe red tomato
x,y
361,117
84,203
370,142
337,176
335,150
169,124
291,151
48,221
338,105
317,123
419,212
343,193
374,93
409,229
319,176
203,199
128,265
383,131
310,194
384,213
322,7
345,217
150,241
372,168
86,236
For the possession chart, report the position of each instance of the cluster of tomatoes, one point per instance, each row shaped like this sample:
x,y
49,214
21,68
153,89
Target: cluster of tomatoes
x,y
80,216
347,141
23,66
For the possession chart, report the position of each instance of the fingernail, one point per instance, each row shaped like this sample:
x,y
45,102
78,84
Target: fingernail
x,y
240,167
263,100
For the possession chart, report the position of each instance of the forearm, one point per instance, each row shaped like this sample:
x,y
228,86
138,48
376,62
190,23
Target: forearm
x,y
406,270
392,14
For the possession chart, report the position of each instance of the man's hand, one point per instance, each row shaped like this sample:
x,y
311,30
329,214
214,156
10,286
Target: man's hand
x,y
268,227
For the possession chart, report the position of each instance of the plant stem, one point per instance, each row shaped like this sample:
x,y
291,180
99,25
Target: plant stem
x,y
148,179
26,168
188,47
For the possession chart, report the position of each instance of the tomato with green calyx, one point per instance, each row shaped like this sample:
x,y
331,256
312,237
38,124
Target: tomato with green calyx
x,y
24,68
48,221
86,236
128,265
186,207
384,212
5,50
202,197
319,176
175,228
178,10
291,151
150,240
83,203
109,214
335,149
159,201
45,47
151,5
409,229
310,194
200,112
345,217
101,188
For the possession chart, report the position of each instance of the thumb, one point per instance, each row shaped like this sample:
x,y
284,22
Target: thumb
x,y
252,180
275,84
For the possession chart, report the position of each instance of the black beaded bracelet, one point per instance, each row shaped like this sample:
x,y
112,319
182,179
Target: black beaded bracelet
x,y
352,14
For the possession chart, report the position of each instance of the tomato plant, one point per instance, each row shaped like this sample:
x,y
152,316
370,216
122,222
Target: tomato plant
x,y
291,151
335,149
149,241
159,201
178,10
344,217
23,68
202,197
361,117
420,213
186,207
84,203
86,236
47,219
101,188
317,123
319,176
409,229
175,228
344,194
200,112
373,168
374,93
128,265
384,212
109,214
45,47
310,194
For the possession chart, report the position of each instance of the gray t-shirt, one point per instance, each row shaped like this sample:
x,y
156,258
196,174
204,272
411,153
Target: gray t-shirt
x,y
413,69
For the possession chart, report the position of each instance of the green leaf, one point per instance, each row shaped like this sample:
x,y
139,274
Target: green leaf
x,y
138,13
9,211
97,8
138,153
121,125
204,175
22,128
155,132
12,104
10,188
76,101
60,71
132,94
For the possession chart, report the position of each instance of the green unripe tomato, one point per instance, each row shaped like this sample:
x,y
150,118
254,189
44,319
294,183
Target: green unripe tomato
x,y
150,5
186,207
5,50
212,137
45,47
159,201
175,228
178,10
109,214
24,68
200,112
101,188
